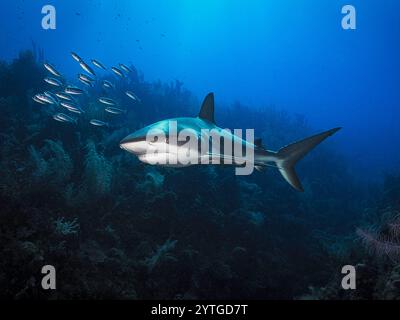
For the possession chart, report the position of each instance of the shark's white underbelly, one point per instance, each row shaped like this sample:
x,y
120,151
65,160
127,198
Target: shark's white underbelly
x,y
182,156
169,155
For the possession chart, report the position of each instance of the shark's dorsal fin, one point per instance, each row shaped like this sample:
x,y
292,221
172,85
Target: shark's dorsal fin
x,y
207,108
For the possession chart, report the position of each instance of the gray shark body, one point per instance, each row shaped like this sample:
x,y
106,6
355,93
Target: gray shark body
x,y
155,144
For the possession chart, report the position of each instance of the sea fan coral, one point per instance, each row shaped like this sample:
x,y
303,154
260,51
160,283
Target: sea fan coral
x,y
380,245
51,164
152,182
40,165
98,172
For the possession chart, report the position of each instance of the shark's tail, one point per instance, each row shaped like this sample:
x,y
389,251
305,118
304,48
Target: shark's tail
x,y
287,157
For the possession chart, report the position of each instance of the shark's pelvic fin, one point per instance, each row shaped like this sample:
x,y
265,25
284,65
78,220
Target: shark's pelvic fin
x,y
288,156
207,108
260,168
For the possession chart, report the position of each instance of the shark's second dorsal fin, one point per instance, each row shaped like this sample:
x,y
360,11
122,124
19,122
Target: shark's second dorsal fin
x,y
258,142
207,108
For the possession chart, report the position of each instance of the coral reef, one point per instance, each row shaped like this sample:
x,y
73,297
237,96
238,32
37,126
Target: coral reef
x,y
118,229
374,251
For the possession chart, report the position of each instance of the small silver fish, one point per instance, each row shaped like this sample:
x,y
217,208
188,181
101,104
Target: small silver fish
x,y
98,123
79,111
86,83
73,90
117,72
114,110
51,95
64,96
45,99
62,117
76,57
133,96
98,64
125,68
36,99
71,107
57,118
53,82
107,101
108,84
52,70
85,77
88,69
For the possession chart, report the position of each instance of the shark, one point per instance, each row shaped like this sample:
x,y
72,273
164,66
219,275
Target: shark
x,y
157,144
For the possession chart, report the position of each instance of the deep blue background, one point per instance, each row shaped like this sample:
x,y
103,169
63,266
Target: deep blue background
x,y
291,54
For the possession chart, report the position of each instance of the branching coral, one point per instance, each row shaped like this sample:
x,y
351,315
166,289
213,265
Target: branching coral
x,y
162,252
64,227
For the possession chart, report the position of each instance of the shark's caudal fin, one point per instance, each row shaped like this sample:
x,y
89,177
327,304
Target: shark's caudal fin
x,y
288,156
207,108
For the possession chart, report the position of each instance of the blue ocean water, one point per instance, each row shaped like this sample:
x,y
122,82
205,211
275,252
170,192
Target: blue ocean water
x,y
292,55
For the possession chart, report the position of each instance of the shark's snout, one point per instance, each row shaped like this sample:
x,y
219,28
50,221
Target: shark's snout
x,y
132,138
134,144
125,141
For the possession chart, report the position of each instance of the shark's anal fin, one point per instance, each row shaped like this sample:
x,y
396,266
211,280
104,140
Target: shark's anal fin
x,y
207,108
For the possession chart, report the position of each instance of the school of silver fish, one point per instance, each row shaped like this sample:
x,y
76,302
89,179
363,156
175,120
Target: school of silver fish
x,y
66,96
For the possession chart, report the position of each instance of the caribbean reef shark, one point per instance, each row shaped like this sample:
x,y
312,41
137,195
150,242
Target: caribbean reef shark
x,y
181,142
